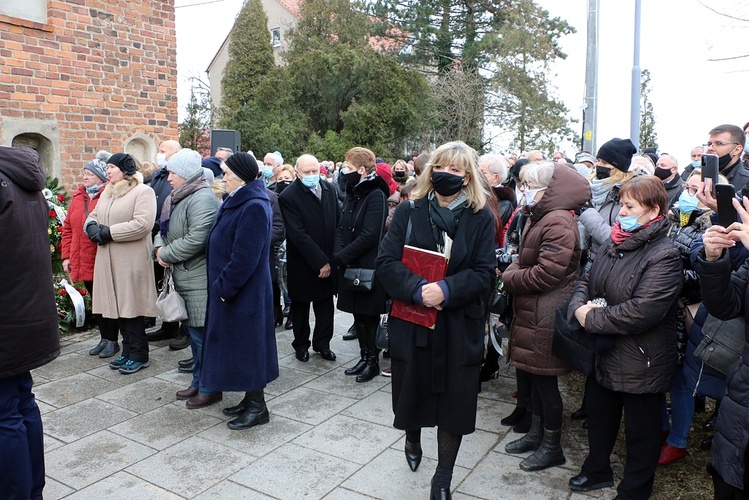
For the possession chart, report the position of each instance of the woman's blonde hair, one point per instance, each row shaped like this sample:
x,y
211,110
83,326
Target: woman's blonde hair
x,y
618,177
459,154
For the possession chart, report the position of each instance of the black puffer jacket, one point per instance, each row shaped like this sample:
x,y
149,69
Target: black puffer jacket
x,y
727,298
29,335
640,280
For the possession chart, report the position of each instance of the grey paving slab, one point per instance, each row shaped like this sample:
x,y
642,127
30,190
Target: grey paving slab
x,y
50,443
473,448
490,412
376,408
143,396
499,476
316,365
349,438
308,405
341,493
123,486
168,356
336,382
230,489
67,365
164,426
93,458
288,379
55,489
74,389
173,375
388,476
84,418
156,367
43,407
293,472
260,440
191,466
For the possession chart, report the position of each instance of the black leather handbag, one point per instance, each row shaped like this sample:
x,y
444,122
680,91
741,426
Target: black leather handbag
x,y
358,279
574,346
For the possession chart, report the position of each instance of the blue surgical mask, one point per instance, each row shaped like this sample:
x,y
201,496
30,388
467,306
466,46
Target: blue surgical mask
x,y
629,223
696,163
311,180
687,203
267,172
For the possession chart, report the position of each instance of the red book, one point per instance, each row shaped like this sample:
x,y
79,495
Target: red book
x,y
429,265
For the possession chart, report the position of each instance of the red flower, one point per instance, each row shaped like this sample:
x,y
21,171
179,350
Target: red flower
x,y
63,292
52,213
82,291
58,247
61,197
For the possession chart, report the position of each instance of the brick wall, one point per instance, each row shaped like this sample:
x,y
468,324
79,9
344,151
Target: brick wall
x,y
98,75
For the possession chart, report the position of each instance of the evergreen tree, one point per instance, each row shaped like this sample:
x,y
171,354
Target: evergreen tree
x,y
648,137
194,131
250,58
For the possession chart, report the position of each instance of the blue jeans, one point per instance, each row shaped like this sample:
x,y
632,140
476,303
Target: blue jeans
x,y
196,345
21,440
682,411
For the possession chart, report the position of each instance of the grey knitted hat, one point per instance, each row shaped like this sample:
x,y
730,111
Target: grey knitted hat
x,y
186,163
98,167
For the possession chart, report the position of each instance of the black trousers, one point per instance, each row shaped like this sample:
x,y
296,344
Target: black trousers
x,y
366,330
134,340
642,431
323,332
547,402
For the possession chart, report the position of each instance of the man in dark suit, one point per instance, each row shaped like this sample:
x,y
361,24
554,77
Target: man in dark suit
x,y
310,213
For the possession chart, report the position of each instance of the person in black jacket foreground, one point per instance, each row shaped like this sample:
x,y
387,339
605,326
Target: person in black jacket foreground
x,y
29,334
725,296
638,273
436,371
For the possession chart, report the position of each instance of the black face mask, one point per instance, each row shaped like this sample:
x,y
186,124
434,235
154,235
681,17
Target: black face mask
x,y
723,161
602,172
447,184
662,173
281,185
399,174
352,178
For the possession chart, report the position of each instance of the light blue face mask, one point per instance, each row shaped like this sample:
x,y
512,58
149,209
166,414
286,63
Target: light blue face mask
x,y
311,180
629,223
696,163
267,172
687,203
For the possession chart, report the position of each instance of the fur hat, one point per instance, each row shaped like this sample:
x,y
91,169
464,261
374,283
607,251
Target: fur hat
x,y
124,162
617,152
98,167
186,163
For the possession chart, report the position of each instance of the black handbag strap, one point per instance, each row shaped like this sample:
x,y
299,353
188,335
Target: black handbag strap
x,y
409,225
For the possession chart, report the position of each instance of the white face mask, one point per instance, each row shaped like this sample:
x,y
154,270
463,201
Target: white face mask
x,y
530,195
161,159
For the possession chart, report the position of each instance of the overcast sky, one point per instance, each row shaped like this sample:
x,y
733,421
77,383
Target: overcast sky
x,y
690,93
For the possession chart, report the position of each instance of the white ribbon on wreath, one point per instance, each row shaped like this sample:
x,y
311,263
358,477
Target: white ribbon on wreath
x,y
59,211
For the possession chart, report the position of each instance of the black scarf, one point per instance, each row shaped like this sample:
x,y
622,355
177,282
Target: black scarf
x,y
175,197
445,219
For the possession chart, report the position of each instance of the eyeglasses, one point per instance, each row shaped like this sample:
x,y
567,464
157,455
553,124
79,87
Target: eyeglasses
x,y
528,185
720,144
691,190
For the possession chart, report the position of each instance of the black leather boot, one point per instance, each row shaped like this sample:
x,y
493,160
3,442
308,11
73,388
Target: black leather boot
x,y
549,454
531,441
233,411
351,334
372,368
515,417
256,413
413,454
359,366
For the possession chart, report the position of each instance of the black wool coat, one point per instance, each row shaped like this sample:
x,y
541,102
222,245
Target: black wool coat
x,y
310,237
29,335
357,241
436,372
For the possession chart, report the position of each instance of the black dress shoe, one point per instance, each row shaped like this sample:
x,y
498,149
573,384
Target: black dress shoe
x,y
185,363
579,414
163,333
326,354
180,342
413,454
302,356
350,334
515,417
186,369
581,482
289,325
438,493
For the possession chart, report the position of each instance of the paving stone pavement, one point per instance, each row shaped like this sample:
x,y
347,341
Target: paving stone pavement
x,y
117,436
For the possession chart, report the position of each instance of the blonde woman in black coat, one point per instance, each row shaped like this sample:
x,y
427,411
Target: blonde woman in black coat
x,y
436,372
357,240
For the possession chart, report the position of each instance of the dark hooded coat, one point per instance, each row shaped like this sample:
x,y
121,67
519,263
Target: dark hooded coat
x,y
29,335
544,274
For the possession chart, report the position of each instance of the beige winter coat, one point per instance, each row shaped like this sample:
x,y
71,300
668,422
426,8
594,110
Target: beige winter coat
x,y
123,273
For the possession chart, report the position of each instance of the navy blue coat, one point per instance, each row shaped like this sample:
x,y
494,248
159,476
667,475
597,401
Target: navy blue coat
x,y
239,345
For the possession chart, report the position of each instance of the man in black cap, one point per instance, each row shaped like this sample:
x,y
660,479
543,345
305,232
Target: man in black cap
x,y
310,213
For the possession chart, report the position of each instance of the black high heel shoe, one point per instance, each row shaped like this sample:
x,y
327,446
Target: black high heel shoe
x,y
438,493
489,371
413,454
515,417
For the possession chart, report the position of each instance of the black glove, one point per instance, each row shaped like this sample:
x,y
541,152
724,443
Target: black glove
x,y
104,236
93,230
